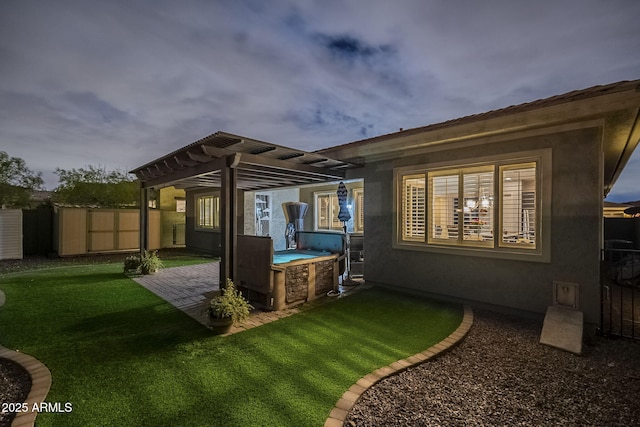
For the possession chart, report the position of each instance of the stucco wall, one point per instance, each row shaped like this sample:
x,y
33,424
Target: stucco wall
x,y
522,285
207,241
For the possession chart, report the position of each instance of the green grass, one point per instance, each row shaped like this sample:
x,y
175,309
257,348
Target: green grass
x,y
123,356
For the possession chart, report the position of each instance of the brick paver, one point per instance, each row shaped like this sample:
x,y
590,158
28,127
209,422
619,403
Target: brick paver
x,y
190,288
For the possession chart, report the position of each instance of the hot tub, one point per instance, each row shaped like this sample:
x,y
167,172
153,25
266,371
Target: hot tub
x,y
277,280
284,257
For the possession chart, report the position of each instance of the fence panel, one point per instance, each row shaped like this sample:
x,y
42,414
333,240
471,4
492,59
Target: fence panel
x,y
620,293
102,230
128,226
82,231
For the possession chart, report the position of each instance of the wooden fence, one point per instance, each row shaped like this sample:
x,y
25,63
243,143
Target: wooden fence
x,y
82,231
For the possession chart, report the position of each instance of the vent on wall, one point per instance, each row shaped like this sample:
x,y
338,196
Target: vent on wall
x,y
566,294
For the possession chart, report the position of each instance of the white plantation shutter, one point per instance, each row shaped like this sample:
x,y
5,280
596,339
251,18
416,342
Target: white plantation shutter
x,y
519,206
359,209
208,212
413,207
443,193
490,206
478,205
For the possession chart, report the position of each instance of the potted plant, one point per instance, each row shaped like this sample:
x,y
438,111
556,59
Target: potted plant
x,y
150,263
132,264
227,309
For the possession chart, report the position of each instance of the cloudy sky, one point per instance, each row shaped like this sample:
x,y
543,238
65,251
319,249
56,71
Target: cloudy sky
x,y
117,83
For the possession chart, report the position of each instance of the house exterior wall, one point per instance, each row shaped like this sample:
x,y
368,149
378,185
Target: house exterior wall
x,y
575,226
201,240
169,217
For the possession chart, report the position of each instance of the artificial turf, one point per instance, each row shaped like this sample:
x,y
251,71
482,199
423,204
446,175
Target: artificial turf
x,y
122,356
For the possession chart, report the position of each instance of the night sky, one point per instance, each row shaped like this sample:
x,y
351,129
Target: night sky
x,y
119,83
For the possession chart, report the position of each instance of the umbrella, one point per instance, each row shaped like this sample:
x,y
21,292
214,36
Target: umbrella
x,y
344,214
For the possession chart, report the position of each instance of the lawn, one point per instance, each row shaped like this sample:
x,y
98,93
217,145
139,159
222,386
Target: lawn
x,y
122,356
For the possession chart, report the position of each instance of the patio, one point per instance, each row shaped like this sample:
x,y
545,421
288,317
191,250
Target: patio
x,y
190,288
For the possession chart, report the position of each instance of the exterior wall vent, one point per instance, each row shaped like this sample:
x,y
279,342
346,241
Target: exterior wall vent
x,y
566,294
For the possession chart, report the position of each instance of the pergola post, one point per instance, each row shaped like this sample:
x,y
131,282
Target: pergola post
x,y
228,219
144,219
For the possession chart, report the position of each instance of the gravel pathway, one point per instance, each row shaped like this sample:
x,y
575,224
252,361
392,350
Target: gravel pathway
x,y
499,375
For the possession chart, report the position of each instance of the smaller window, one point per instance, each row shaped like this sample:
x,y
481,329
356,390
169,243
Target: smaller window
x,y
327,209
208,212
181,205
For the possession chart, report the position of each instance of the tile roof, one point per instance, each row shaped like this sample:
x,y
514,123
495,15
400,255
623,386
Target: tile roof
x,y
572,96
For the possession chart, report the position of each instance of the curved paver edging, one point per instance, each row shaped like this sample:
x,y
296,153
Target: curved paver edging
x,y
350,397
40,381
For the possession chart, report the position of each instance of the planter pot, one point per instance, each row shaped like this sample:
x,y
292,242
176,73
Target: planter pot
x,y
220,326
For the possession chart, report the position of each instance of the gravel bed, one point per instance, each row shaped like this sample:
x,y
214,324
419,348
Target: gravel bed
x,y
500,375
15,384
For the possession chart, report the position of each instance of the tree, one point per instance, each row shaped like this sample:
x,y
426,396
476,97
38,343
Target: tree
x,y
95,186
17,182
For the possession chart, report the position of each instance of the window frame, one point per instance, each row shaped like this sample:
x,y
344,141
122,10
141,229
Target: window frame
x,y
411,232
495,248
215,213
334,223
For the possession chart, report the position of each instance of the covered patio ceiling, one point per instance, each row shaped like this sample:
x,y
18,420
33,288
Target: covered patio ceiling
x,y
258,165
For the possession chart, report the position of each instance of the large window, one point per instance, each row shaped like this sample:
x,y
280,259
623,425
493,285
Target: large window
x,y
493,206
208,212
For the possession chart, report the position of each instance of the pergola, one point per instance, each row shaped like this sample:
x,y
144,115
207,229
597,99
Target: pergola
x,y
231,162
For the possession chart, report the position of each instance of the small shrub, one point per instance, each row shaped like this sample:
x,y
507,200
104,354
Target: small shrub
x,y
230,303
132,264
150,262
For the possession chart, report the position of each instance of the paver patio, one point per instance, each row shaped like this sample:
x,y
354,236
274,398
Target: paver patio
x,y
190,288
